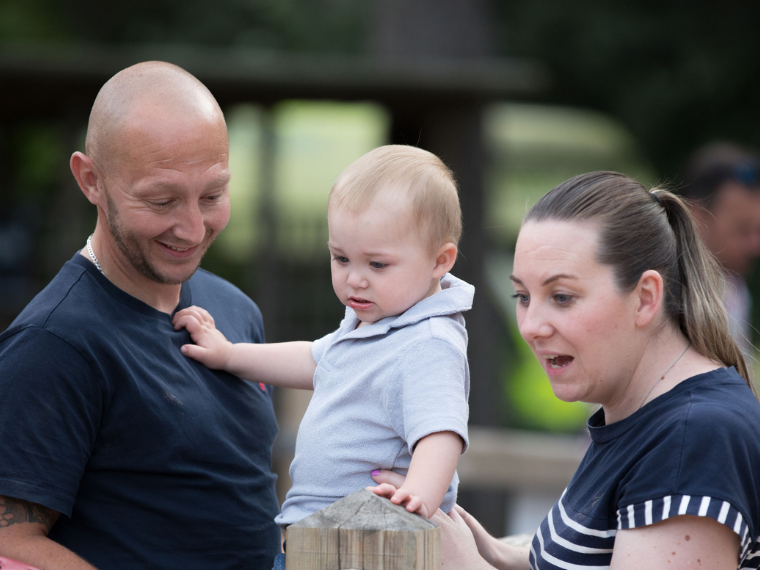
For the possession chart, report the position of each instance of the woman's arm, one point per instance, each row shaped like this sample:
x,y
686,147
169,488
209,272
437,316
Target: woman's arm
x,y
684,541
286,364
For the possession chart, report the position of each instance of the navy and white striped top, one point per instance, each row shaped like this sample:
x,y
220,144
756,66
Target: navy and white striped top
x,y
692,451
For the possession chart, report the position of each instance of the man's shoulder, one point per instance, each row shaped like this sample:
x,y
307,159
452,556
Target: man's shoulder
x,y
48,324
54,299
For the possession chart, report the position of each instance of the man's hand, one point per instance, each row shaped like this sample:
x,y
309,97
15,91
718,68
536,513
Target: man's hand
x,y
211,348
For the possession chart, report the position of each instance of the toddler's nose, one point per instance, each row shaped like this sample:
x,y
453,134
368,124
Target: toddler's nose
x,y
356,280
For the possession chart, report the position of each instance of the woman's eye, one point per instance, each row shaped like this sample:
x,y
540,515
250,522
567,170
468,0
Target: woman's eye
x,y
522,298
377,265
563,299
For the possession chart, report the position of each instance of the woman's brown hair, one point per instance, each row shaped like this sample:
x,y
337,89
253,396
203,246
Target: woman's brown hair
x,y
641,230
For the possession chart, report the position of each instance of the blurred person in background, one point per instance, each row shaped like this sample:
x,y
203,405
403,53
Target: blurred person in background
x,y
722,184
117,451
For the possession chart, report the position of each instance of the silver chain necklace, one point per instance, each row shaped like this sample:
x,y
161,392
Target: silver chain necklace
x,y
663,375
92,255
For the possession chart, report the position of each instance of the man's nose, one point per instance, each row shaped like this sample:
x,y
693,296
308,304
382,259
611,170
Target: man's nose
x,y
190,226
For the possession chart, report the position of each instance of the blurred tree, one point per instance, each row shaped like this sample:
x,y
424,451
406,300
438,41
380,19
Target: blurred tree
x,y
305,25
676,72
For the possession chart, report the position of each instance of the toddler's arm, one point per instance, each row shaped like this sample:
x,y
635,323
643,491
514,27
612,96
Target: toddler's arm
x,y
287,364
434,462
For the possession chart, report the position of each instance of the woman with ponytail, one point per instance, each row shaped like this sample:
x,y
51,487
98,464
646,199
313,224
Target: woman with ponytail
x,y
621,304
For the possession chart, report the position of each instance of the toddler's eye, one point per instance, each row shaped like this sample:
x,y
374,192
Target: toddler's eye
x,y
377,265
340,259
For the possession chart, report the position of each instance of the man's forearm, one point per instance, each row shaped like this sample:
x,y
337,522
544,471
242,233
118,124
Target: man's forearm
x,y
41,552
23,536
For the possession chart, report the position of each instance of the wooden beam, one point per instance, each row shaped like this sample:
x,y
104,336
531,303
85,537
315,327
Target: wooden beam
x,y
519,460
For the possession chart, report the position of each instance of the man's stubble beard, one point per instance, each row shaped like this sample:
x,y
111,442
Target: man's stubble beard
x,y
130,247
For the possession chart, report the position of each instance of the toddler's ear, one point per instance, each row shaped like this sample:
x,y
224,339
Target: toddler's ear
x,y
444,261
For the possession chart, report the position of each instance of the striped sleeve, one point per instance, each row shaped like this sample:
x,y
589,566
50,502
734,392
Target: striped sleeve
x,y
656,510
567,540
752,560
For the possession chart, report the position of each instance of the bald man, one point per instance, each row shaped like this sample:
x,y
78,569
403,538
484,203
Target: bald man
x,y
117,451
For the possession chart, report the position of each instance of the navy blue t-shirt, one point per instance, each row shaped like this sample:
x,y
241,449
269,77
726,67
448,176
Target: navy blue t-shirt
x,y
694,450
153,460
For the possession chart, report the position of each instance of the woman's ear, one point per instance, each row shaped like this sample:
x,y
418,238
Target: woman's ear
x,y
444,260
87,176
649,293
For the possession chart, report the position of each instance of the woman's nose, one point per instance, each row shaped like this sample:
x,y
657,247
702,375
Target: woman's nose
x,y
533,324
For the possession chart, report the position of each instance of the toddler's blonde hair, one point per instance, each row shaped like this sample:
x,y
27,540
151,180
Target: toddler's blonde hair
x,y
407,173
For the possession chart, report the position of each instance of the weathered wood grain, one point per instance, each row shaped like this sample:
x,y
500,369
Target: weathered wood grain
x,y
363,532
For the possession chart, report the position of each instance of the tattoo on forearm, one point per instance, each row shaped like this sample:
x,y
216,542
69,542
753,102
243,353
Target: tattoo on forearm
x,y
14,511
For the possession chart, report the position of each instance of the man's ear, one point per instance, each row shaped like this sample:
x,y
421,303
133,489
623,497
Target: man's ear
x,y
87,176
650,294
444,260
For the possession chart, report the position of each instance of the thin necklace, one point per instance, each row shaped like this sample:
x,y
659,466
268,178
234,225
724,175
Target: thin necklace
x,y
92,255
663,375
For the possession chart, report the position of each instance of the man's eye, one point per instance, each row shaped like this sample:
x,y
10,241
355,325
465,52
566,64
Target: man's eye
x,y
377,265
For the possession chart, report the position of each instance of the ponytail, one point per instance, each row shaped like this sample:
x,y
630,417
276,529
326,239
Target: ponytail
x,y
702,315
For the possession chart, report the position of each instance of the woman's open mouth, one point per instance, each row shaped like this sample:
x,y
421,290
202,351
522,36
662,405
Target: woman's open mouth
x,y
557,361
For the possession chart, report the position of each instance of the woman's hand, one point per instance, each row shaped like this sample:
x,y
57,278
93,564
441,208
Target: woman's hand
x,y
458,546
494,551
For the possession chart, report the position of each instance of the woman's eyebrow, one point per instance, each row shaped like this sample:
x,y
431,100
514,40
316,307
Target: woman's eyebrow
x,y
557,277
548,279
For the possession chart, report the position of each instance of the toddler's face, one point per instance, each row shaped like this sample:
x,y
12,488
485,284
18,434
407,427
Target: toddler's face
x,y
380,264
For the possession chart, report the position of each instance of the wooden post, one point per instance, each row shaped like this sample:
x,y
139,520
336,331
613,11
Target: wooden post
x,y
363,532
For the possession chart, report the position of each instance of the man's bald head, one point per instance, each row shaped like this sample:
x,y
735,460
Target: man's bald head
x,y
147,90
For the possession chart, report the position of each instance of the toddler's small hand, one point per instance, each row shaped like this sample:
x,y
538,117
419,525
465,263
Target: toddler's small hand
x,y
412,503
211,348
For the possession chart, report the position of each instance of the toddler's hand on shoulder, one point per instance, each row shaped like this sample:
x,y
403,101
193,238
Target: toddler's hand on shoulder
x,y
211,347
